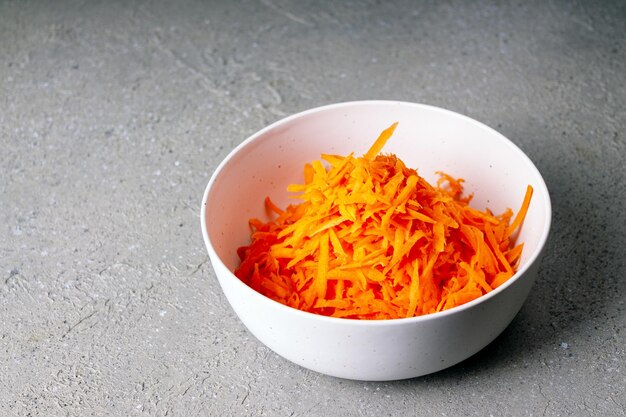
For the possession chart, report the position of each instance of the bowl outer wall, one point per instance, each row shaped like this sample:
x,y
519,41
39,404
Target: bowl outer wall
x,y
428,138
374,350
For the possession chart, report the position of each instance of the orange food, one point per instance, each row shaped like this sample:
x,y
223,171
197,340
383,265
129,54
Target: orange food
x,y
372,239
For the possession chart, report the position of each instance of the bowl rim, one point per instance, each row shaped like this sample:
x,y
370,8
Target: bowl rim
x,y
534,257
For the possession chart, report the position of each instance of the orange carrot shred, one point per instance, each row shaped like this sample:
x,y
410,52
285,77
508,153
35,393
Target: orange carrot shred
x,y
380,142
371,239
272,207
521,213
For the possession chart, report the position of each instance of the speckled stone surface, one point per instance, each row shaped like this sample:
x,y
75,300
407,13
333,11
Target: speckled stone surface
x,y
113,117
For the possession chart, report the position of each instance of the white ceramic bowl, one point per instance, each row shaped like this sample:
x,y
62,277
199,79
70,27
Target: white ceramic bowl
x,y
429,139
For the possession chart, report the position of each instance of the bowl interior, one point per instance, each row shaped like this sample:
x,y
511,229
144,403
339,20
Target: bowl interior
x,y
427,138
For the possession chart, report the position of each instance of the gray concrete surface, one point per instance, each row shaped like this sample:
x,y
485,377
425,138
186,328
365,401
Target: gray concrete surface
x,y
114,115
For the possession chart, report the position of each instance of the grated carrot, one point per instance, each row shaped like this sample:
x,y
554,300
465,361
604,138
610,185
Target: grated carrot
x,y
372,239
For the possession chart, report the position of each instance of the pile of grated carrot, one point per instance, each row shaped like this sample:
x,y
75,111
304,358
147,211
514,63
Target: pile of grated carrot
x,y
372,239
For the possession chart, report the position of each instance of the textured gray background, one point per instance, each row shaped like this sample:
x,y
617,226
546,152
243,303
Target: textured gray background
x,y
114,116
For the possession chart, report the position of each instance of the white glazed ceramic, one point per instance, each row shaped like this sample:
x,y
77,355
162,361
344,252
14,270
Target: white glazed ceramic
x,y
429,139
